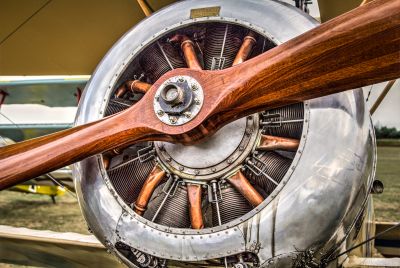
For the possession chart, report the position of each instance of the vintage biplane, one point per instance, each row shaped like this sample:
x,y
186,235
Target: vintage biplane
x,y
213,133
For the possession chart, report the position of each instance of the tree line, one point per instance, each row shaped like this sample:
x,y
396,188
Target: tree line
x,y
387,132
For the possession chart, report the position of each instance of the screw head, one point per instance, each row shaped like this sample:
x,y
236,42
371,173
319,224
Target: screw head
x,y
173,119
181,79
197,101
188,114
194,87
160,112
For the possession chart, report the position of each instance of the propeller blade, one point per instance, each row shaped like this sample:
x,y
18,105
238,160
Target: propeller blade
x,y
25,160
356,49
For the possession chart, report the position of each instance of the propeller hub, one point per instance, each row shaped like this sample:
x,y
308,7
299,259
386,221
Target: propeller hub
x,y
178,100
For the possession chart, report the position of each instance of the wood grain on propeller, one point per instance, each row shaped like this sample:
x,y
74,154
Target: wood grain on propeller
x,y
356,49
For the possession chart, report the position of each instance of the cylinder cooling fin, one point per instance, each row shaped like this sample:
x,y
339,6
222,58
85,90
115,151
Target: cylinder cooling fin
x,y
235,198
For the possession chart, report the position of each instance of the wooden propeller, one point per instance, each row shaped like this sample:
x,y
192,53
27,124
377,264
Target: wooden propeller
x,y
356,49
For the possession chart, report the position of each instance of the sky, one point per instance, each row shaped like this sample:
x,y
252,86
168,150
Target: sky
x,y
388,113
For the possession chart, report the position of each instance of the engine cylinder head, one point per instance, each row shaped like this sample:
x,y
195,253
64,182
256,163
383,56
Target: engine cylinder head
x,y
274,165
285,121
128,178
174,212
158,60
231,206
117,105
222,44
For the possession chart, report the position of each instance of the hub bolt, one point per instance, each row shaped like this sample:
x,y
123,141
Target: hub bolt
x,y
160,112
197,101
173,119
188,114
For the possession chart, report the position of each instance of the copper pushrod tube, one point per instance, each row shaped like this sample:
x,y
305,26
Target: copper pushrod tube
x,y
109,154
188,50
132,85
269,143
248,43
152,181
196,214
242,184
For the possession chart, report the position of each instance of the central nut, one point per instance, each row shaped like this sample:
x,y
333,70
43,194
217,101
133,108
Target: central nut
x,y
172,94
178,100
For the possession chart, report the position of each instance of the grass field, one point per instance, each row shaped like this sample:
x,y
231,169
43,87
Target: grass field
x,y
387,204
38,212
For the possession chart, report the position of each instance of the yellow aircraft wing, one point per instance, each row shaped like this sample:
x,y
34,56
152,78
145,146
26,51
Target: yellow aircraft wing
x,y
45,37
332,8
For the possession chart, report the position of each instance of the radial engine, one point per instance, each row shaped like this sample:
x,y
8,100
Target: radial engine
x,y
280,188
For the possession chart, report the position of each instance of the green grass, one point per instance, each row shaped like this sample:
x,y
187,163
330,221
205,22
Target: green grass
x,y
387,204
38,212
388,142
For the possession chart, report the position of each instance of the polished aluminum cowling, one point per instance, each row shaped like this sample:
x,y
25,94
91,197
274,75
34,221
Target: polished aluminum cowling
x,y
313,209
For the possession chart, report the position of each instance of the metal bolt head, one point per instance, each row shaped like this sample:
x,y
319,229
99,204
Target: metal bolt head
x,y
160,112
197,101
213,169
173,119
229,161
181,79
194,87
188,114
181,168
